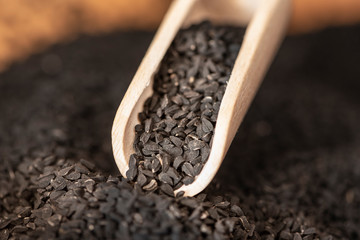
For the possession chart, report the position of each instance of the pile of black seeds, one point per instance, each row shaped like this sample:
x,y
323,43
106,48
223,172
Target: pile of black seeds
x,y
174,137
69,200
293,169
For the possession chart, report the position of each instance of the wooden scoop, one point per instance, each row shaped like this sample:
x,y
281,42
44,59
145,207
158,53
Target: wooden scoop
x,y
265,31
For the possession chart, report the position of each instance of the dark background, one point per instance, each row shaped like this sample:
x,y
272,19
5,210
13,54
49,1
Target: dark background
x,y
299,142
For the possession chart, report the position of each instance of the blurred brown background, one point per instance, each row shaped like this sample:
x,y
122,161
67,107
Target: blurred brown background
x,y
30,26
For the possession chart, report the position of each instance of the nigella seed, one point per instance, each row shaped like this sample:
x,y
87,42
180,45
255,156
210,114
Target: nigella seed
x,y
165,178
171,110
164,102
147,173
147,125
196,145
178,161
237,210
197,168
175,151
195,160
178,186
180,194
64,171
177,99
141,179
151,146
174,175
138,128
133,161
165,161
205,152
167,189
191,154
188,180
245,223
188,169
73,176
155,165
206,125
152,185
144,138
131,173
191,94
182,123
310,231
297,236
176,141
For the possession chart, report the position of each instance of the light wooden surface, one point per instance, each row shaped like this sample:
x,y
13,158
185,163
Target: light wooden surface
x,y
264,33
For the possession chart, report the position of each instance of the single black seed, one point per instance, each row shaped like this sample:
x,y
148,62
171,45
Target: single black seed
x,y
188,169
297,236
310,231
177,141
178,161
56,194
196,145
167,189
131,173
145,136
148,125
191,154
188,180
73,176
147,173
87,164
165,178
152,185
197,168
206,125
64,171
81,168
151,146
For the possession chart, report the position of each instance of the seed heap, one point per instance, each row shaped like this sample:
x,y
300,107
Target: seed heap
x,y
64,199
69,200
296,175
174,137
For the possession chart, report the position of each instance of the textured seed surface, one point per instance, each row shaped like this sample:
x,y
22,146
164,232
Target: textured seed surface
x,y
186,93
292,169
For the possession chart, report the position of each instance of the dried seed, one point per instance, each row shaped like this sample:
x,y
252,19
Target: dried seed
x,y
177,141
152,185
166,188
151,146
196,145
165,178
131,173
73,176
178,161
206,125
141,180
188,180
64,171
148,125
188,169
81,168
